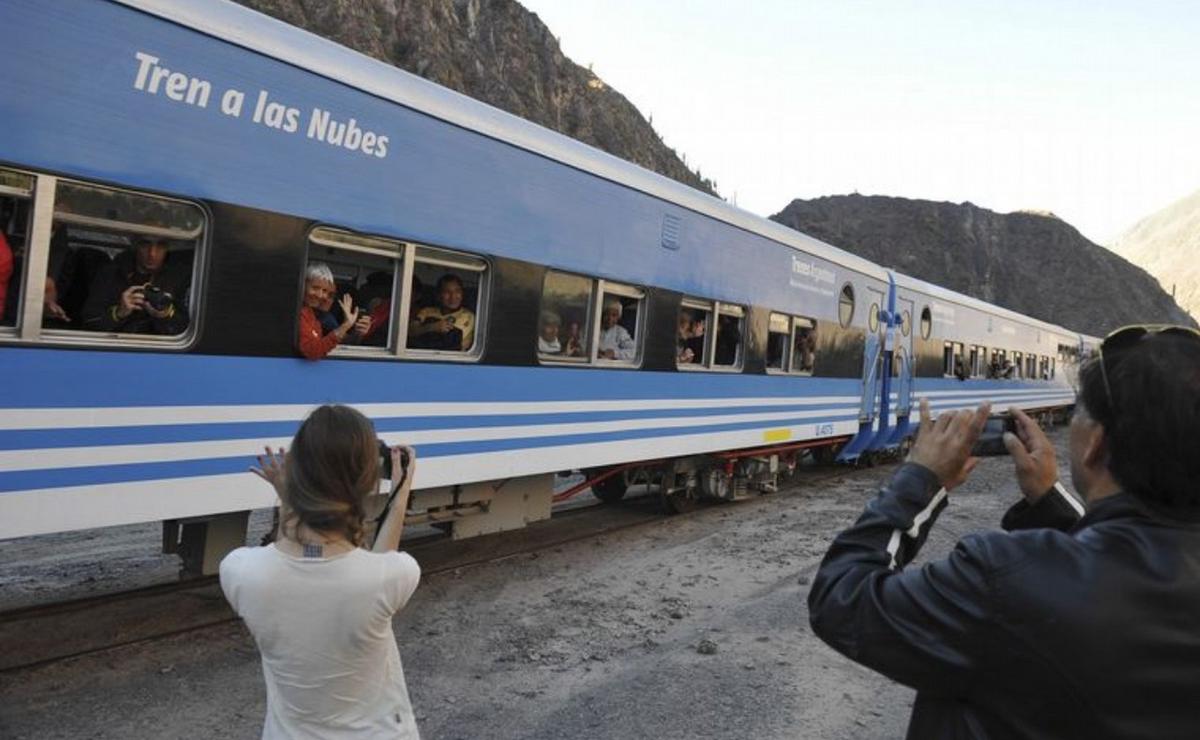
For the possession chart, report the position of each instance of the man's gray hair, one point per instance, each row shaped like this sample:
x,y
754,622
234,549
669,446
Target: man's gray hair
x,y
318,271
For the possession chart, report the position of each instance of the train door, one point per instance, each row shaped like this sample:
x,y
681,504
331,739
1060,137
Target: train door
x,y
873,370
902,362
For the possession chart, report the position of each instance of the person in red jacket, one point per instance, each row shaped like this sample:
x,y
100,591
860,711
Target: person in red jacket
x,y
313,341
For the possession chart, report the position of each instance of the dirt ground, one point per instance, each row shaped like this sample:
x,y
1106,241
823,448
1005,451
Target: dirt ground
x,y
599,638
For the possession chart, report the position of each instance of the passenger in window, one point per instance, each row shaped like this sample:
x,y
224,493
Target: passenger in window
x,y
615,340
960,368
1008,371
806,348
572,346
446,326
140,292
375,297
695,340
319,332
548,327
683,353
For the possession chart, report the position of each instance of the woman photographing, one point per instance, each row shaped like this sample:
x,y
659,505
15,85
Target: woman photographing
x,y
318,603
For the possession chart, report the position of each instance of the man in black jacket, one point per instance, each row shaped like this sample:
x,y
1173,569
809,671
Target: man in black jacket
x,y
140,292
1066,625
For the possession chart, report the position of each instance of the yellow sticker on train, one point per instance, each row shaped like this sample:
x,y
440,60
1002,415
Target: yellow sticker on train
x,y
777,435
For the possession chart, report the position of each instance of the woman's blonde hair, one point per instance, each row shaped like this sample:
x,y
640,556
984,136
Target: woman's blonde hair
x,y
330,470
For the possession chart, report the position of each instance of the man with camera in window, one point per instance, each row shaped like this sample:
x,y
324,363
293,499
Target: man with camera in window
x,y
140,292
1071,624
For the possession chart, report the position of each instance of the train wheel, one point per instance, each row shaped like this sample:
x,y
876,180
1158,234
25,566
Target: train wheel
x,y
679,501
611,489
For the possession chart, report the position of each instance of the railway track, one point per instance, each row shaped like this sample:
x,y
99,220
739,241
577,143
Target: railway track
x,y
42,635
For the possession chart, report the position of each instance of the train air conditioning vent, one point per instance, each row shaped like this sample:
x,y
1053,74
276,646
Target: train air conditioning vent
x,y
670,231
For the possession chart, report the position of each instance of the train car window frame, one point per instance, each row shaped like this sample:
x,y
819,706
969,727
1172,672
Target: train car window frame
x,y
449,259
873,318
57,212
561,358
739,357
707,346
926,323
779,325
1018,363
846,305
600,293
396,250
17,289
952,354
796,367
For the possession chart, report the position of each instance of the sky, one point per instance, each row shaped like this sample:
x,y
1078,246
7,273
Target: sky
x,y
1089,109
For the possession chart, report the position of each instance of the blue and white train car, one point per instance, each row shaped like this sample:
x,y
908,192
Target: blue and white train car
x,y
248,150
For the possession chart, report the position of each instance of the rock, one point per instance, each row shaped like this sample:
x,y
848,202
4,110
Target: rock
x,y
675,614
707,647
496,52
803,580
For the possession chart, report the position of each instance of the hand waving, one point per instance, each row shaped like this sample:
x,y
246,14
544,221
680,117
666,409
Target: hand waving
x,y
270,469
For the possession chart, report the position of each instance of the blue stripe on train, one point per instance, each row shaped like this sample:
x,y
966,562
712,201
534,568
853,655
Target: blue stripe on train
x,y
101,474
48,438
52,378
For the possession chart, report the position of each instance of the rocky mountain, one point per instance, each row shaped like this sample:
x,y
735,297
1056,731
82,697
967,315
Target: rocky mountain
x,y
1166,244
498,52
1033,263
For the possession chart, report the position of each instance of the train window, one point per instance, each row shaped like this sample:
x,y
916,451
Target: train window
x,y
873,318
16,207
563,331
618,339
953,364
692,343
926,323
978,361
730,329
804,345
906,326
122,263
778,332
1052,368
846,305
1018,366
366,272
1031,369
445,295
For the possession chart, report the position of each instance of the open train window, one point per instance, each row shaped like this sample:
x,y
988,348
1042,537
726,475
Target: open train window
x,y
779,331
563,326
953,364
117,266
619,324
1031,367
586,320
846,305
366,272
446,291
692,339
1018,366
978,361
714,339
16,210
926,323
730,328
804,345
791,344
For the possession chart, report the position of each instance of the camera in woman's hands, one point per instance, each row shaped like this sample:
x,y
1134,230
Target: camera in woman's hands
x,y
385,462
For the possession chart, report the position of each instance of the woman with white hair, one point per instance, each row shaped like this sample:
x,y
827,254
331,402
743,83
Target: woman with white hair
x,y
318,294
615,341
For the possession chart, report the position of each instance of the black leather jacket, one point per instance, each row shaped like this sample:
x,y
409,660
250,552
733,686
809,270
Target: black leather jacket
x,y
1066,628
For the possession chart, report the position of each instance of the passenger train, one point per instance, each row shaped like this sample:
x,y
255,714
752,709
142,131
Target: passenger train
x,y
250,149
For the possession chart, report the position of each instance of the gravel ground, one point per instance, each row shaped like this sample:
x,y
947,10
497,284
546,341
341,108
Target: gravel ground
x,y
688,627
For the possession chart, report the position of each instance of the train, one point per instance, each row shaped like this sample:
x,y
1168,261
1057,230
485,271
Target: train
x,y
249,151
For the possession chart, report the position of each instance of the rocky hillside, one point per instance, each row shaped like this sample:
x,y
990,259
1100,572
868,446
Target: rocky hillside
x,y
1033,263
497,52
1166,244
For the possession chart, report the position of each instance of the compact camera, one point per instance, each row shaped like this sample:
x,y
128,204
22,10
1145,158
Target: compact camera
x,y
385,462
991,439
157,298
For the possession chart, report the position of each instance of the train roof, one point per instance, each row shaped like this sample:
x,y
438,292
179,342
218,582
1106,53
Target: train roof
x,y
260,33
945,294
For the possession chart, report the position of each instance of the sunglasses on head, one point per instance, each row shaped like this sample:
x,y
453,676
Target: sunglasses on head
x,y
1128,336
